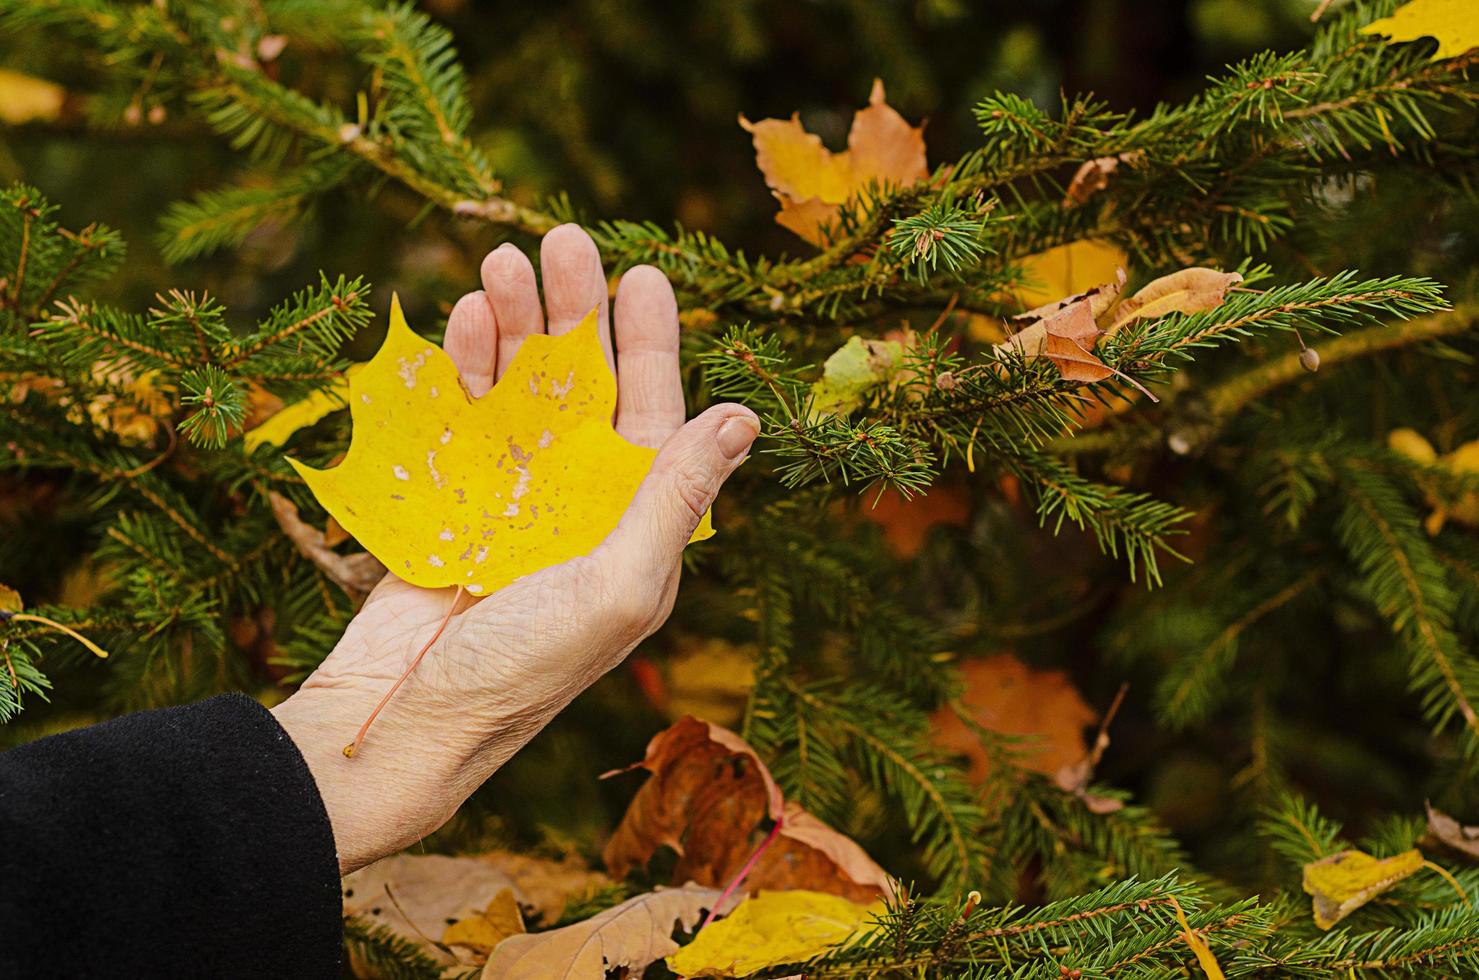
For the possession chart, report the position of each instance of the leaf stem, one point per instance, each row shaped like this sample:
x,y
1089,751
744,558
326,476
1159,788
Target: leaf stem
x,y
359,738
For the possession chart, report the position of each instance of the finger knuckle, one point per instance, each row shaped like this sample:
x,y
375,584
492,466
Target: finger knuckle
x,y
694,491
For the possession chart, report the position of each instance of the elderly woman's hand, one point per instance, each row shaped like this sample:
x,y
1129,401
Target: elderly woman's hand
x,y
508,663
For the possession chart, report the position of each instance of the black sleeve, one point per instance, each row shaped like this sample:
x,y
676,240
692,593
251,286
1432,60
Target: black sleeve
x,y
185,842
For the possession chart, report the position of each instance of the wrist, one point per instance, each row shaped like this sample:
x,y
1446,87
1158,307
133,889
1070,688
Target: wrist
x,y
391,795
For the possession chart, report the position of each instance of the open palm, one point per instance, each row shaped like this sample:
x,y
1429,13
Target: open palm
x,y
506,663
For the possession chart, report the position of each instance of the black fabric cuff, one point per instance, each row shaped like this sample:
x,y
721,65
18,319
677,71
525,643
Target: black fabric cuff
x,y
183,842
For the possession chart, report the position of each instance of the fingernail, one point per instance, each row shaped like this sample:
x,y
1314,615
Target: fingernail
x,y
736,434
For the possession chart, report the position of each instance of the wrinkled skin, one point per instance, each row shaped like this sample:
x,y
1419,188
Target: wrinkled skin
x,y
506,664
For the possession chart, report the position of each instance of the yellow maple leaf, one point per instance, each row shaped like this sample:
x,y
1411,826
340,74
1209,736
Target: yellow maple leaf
x,y
1342,883
449,490
812,183
770,929
488,928
1452,22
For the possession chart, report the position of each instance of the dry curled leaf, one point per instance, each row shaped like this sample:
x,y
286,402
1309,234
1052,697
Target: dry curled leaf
x,y
1004,695
356,574
812,183
771,929
1066,337
1185,291
710,798
1451,833
1092,176
1452,22
1342,883
696,768
448,490
629,937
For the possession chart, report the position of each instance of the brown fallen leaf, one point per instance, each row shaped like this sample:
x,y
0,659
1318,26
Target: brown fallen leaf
x,y
1066,337
1453,834
627,937
812,183
1005,695
709,798
1092,176
356,574
699,770
809,854
1186,291
417,897
1342,883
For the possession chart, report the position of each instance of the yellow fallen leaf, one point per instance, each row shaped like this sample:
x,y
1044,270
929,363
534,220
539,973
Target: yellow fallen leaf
x,y
10,600
1068,269
24,98
1205,957
277,429
770,929
448,490
1342,883
812,182
1452,22
1411,443
710,678
1462,507
490,927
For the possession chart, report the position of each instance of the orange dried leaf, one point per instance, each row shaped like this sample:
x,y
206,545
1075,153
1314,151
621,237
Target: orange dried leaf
x,y
1006,696
907,521
448,490
695,772
812,182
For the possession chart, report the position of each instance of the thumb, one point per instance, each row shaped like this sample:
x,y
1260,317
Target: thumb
x,y
685,478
